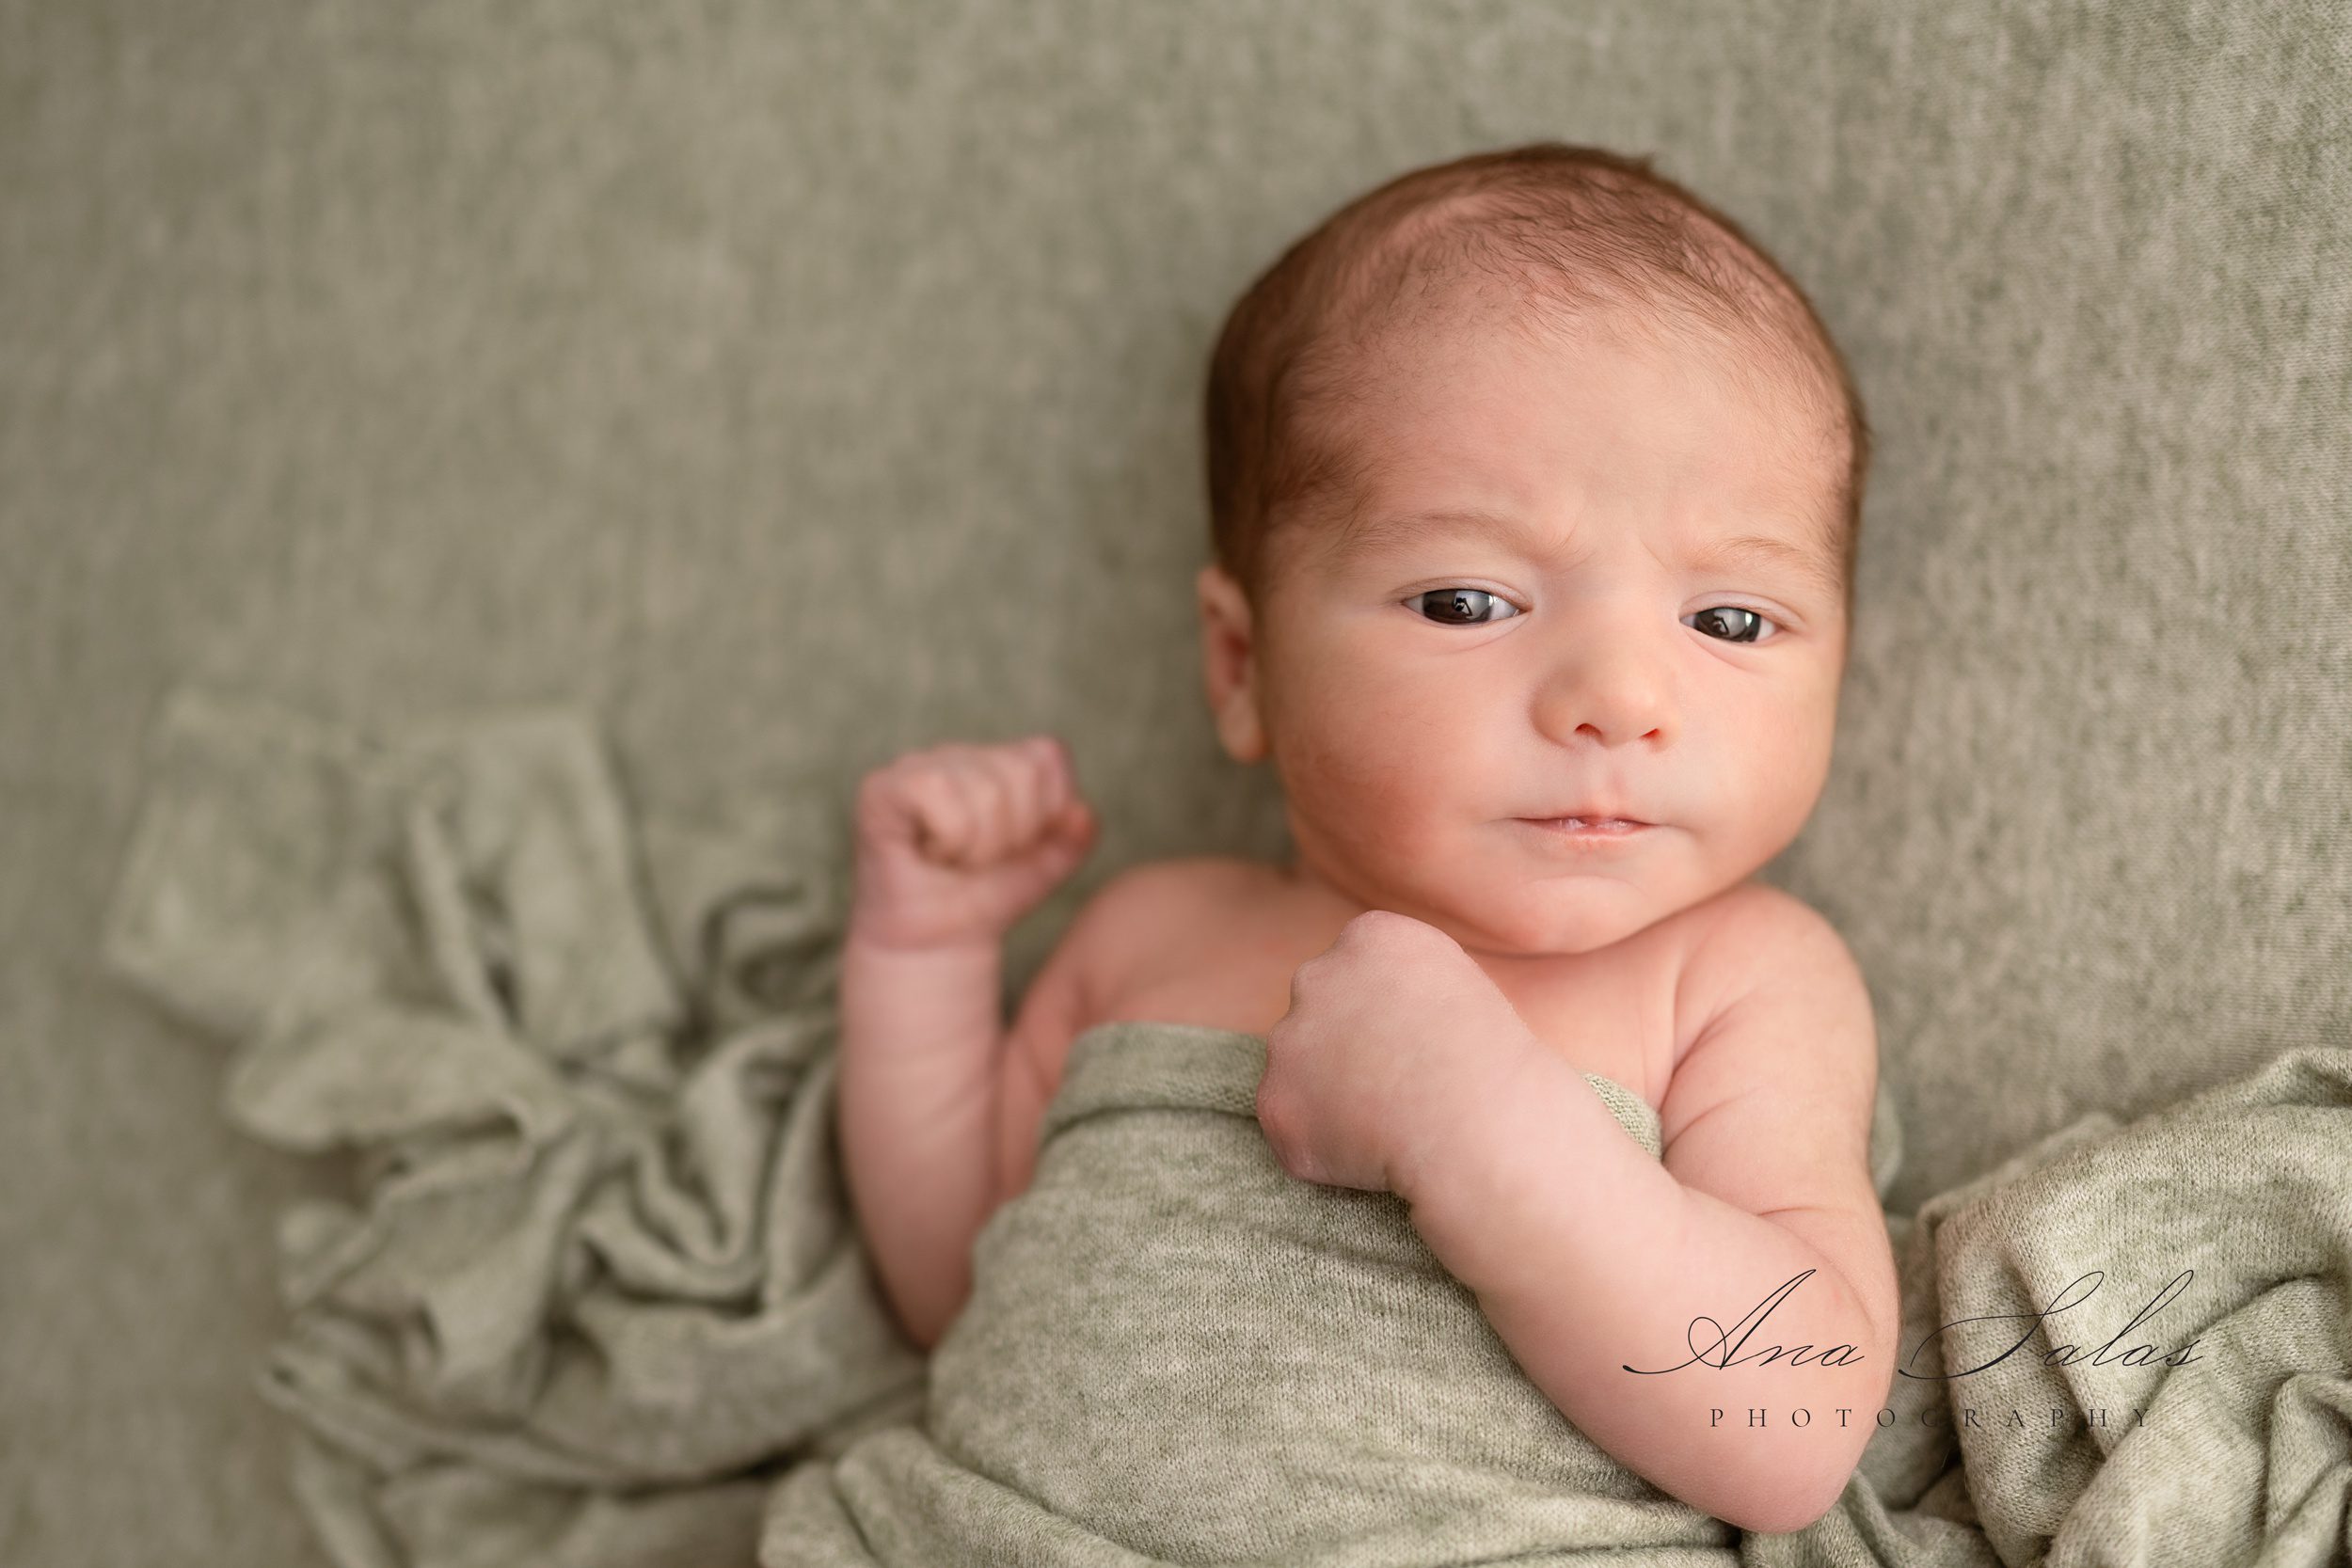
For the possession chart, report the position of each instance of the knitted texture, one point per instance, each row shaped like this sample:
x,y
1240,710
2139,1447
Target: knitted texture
x,y
1176,1350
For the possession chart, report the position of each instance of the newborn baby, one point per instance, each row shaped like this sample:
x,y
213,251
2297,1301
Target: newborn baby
x,y
1534,488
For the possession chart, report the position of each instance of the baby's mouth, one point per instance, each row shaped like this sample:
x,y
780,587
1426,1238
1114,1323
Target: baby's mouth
x,y
1591,827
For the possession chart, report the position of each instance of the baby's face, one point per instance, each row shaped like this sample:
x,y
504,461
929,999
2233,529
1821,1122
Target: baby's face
x,y
1425,687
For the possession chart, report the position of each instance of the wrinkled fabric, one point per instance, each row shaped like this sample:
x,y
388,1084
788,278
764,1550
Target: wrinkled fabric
x,y
1176,1352
599,1282
597,1297
2217,1429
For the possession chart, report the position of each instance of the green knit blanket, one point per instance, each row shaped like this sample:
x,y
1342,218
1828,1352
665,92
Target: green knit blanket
x,y
594,1297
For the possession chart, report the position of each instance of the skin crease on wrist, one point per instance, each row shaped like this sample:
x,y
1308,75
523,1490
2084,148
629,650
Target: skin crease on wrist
x,y
1411,730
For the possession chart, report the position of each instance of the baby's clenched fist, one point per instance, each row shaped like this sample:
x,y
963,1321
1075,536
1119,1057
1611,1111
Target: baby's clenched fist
x,y
958,841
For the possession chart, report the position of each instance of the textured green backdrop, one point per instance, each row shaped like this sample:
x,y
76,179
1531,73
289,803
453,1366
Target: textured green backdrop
x,y
798,383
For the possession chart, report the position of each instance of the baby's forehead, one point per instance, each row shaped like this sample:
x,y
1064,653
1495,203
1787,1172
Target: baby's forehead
x,y
1465,375
1386,462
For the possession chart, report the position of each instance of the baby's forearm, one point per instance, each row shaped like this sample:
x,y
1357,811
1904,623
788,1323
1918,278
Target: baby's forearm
x,y
920,1034
1587,1257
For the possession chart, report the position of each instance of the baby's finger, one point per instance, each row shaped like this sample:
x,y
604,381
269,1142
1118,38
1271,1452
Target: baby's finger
x,y
984,801
967,779
941,813
1055,782
1015,774
1016,808
1049,777
1074,832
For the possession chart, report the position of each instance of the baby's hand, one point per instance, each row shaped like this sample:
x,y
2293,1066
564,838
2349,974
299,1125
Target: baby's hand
x,y
1393,1039
957,842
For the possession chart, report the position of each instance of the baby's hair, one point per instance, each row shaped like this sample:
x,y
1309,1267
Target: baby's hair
x,y
1579,232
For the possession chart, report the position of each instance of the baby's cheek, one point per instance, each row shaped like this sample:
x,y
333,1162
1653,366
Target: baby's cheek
x,y
1363,794
1382,761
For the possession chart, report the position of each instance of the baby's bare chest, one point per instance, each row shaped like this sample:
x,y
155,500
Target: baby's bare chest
x,y
1223,954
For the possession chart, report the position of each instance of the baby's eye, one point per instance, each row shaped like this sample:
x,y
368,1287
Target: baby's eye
x,y
1467,607
1464,607
1738,620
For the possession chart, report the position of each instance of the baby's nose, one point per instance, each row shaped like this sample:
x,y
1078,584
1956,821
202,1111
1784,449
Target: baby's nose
x,y
1611,696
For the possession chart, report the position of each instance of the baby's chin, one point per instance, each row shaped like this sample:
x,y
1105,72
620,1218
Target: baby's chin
x,y
1555,919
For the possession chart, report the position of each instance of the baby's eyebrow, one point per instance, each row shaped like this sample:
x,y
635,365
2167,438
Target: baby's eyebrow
x,y
1378,534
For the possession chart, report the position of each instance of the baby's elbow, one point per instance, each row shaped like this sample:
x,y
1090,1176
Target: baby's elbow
x,y
1790,1504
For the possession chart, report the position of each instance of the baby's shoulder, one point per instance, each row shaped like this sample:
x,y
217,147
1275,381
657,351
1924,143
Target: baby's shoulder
x,y
1201,939
1142,909
1738,939
1151,899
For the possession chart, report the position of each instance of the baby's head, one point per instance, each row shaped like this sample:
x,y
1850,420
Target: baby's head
x,y
1535,485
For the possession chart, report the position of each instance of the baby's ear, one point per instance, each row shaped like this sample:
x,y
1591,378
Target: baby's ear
x,y
1227,664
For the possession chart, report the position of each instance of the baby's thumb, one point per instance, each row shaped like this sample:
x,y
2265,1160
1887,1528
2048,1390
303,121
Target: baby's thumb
x,y
1076,828
1068,839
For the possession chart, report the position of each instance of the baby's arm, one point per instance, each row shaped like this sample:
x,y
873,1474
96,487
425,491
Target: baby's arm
x,y
955,843
1588,1257
920,1033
